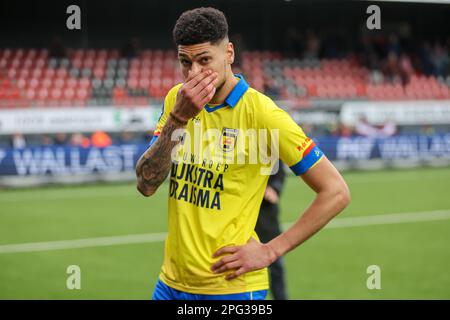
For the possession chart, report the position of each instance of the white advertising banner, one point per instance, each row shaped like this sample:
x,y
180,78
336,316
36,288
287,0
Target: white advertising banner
x,y
399,112
49,120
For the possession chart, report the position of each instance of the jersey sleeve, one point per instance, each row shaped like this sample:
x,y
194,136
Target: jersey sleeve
x,y
167,106
296,149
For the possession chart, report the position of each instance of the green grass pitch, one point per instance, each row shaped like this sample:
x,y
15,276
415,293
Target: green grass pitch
x,y
414,257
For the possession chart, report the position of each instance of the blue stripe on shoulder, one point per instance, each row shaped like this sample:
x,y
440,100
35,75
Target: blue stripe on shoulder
x,y
152,141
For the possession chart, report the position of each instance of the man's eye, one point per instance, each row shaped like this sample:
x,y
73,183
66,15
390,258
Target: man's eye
x,y
205,60
185,62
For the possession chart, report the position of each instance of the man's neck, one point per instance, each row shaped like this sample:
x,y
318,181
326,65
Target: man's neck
x,y
224,91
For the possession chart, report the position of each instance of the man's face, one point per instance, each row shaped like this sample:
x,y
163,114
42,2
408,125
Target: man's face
x,y
206,56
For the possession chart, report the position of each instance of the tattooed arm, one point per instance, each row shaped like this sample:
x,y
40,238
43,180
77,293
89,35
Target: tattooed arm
x,y
154,165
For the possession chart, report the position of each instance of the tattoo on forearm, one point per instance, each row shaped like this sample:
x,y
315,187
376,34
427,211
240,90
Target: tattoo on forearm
x,y
154,165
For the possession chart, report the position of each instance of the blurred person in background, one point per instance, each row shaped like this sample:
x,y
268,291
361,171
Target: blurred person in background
x,y
46,140
424,54
60,139
366,129
427,130
18,141
56,48
80,140
312,45
132,48
440,60
101,139
126,137
340,129
391,68
268,227
293,42
406,68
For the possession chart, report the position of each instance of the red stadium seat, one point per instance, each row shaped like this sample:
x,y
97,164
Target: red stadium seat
x,y
30,75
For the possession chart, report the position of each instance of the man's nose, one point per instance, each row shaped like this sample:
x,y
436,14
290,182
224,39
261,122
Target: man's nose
x,y
195,68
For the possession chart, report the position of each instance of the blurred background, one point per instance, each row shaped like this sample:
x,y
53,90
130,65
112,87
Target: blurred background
x,y
78,108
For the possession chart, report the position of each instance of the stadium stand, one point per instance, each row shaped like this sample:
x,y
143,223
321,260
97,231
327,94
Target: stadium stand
x,y
100,77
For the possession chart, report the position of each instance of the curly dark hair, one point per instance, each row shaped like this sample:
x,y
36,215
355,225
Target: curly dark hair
x,y
200,25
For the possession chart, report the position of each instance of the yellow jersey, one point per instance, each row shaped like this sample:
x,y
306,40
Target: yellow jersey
x,y
217,182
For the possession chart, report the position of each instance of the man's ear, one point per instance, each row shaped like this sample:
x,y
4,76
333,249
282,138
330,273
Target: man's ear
x,y
230,53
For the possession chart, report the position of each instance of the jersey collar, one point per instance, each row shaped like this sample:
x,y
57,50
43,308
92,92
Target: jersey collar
x,y
235,95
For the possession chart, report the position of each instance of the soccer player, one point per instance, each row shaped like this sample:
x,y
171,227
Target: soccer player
x,y
211,250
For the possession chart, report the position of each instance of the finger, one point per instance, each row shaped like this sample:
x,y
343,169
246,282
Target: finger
x,y
229,266
221,251
236,274
208,98
202,84
191,74
197,78
207,90
223,261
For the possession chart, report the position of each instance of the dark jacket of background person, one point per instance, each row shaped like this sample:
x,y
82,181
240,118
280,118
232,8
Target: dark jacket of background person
x,y
268,227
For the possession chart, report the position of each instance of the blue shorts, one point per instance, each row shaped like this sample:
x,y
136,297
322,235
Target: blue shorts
x,y
164,292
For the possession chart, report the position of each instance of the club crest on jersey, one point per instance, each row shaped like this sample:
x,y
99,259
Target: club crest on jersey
x,y
228,139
